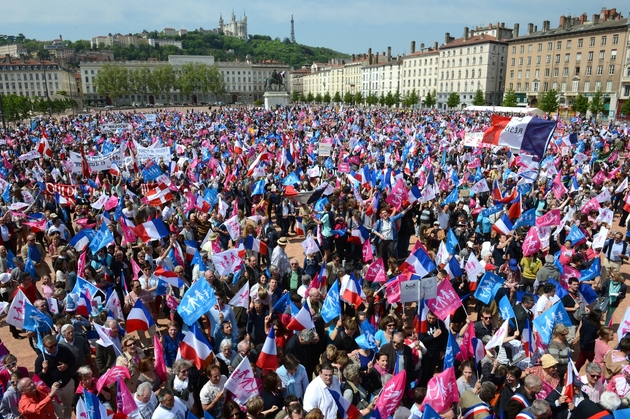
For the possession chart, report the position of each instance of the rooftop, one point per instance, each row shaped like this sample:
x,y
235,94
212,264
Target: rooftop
x,y
473,40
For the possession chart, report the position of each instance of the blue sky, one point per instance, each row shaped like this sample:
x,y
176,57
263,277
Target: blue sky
x,y
350,26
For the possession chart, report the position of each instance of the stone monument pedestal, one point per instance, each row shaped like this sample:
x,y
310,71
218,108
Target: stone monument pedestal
x,y
273,99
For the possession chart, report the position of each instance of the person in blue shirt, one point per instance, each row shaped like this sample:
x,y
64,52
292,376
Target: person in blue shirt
x,y
387,233
228,315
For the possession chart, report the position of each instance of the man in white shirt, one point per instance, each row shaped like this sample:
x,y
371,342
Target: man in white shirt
x,y
146,402
317,394
212,395
170,407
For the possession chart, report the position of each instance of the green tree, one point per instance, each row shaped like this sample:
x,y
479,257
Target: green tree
x,y
326,98
580,104
112,81
411,99
337,98
310,98
358,98
163,80
200,78
548,102
453,100
397,98
431,99
295,96
139,80
382,99
302,98
597,104
389,99
371,99
16,107
510,99
625,108
318,98
348,98
479,99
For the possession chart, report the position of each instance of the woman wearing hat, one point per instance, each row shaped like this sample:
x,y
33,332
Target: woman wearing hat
x,y
620,384
548,373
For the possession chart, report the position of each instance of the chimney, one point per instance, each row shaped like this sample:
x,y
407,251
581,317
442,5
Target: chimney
x,y
503,24
389,54
466,33
412,49
546,25
353,57
483,35
490,26
515,33
535,28
530,28
435,45
583,18
562,21
422,46
369,56
595,19
447,38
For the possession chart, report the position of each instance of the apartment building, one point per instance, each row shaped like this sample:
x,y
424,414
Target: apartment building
x,y
577,56
419,70
33,78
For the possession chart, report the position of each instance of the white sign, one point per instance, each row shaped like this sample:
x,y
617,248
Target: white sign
x,y
145,153
409,291
31,155
473,139
115,127
324,149
428,288
96,163
150,117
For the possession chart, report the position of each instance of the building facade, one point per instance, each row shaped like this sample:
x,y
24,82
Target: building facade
x,y
381,79
164,42
14,50
35,78
580,56
419,71
237,29
470,63
118,39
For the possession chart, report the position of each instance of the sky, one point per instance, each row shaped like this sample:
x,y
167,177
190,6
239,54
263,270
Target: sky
x,y
348,26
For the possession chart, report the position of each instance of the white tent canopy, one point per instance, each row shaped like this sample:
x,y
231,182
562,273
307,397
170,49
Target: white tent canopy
x,y
506,109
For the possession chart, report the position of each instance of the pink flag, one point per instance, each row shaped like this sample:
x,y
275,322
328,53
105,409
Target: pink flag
x,y
392,289
466,349
111,202
557,187
446,301
367,251
600,177
552,218
136,269
376,271
398,195
83,222
128,233
111,376
531,244
392,394
444,185
124,399
81,264
39,383
160,365
37,226
442,391
591,205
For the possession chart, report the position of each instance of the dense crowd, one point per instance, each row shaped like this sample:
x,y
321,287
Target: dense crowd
x,y
144,257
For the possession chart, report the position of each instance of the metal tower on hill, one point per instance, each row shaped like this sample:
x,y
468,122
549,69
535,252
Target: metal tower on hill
x,y
292,29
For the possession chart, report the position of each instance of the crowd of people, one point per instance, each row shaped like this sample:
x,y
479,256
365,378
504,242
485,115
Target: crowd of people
x,y
396,193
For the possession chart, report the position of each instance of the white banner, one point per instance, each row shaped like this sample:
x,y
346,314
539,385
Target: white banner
x,y
324,149
31,155
409,291
115,127
97,163
150,117
145,153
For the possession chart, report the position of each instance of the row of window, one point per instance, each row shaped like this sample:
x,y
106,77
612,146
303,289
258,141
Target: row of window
x,y
12,86
474,50
474,62
459,74
412,83
419,72
565,72
575,86
29,67
28,76
466,85
568,44
418,62
567,58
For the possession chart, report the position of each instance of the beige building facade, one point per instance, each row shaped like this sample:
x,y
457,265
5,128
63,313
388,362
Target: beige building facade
x,y
579,56
419,71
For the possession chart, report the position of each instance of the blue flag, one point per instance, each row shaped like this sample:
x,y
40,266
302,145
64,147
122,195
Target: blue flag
x,y
211,195
151,173
547,320
291,179
81,285
197,301
575,235
452,197
505,308
453,266
366,341
36,321
102,238
94,407
588,293
451,242
492,210
331,307
560,291
6,195
452,349
259,188
10,257
282,303
528,218
429,413
488,287
366,326
197,260
592,272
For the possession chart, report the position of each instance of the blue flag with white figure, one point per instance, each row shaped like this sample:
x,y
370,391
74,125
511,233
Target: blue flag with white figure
x,y
331,308
452,197
366,341
575,235
488,287
547,320
452,349
451,242
592,272
197,301
505,308
528,218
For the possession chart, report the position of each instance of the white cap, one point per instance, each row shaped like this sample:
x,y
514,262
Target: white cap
x,y
5,277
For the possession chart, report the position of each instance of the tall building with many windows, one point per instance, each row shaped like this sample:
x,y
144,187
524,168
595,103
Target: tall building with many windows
x,y
419,71
473,62
578,56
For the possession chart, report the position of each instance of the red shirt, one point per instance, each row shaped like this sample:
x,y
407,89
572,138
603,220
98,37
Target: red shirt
x,y
30,292
37,406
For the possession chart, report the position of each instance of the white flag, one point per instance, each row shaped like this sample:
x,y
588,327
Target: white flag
x,y
226,262
103,333
310,246
605,216
481,186
241,299
499,336
52,305
223,207
428,193
98,205
603,196
473,268
113,304
15,316
622,187
624,326
599,239
233,227
442,255
242,382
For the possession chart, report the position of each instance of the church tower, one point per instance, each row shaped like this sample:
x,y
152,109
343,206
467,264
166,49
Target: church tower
x,y
221,22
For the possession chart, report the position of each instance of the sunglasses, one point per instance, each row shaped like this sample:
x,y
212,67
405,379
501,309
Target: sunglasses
x,y
391,325
486,318
595,376
51,346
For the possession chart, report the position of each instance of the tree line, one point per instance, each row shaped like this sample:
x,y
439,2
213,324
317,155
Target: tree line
x,y
390,99
18,107
114,80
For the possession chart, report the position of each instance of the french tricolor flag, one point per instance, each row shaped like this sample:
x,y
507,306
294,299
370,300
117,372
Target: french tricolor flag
x,y
202,205
195,348
191,250
299,228
419,263
528,339
167,276
268,358
139,318
84,304
347,409
359,235
414,194
503,225
351,291
238,146
302,320
151,230
256,245
420,322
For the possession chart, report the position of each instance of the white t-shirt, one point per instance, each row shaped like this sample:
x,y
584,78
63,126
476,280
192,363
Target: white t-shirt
x,y
144,410
317,395
541,305
177,412
210,391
